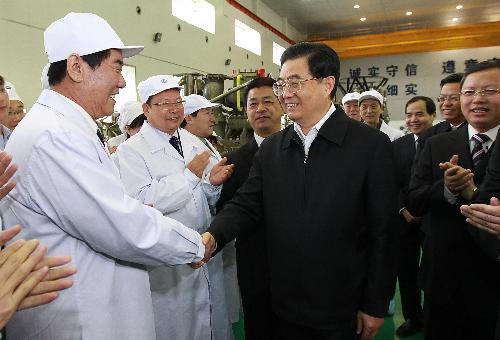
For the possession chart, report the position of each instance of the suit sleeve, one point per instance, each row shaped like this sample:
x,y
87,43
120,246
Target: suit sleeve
x,y
425,192
243,211
230,187
382,216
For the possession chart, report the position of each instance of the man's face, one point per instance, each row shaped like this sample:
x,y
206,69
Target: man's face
x,y
307,105
165,111
15,114
351,108
102,84
482,112
263,111
4,102
417,118
449,103
203,124
371,110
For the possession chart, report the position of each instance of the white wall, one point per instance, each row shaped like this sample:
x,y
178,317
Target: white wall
x,y
429,73
22,23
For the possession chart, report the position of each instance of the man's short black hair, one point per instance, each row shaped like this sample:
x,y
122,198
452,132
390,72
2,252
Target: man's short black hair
x,y
479,67
322,60
2,81
256,83
184,123
57,70
430,107
452,78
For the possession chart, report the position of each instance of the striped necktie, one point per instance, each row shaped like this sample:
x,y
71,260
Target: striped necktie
x,y
478,153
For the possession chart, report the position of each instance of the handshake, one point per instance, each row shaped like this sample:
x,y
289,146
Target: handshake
x,y
210,245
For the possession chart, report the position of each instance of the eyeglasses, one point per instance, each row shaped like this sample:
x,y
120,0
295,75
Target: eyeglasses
x,y
292,86
483,93
166,105
18,112
452,98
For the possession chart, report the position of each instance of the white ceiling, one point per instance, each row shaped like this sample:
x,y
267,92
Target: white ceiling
x,y
333,19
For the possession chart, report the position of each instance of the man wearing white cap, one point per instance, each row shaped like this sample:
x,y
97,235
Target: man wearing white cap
x,y
351,105
199,121
69,196
16,108
4,111
371,106
129,121
165,167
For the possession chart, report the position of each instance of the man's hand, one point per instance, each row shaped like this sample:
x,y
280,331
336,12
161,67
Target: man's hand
x,y
484,216
112,149
199,163
7,170
456,178
221,172
409,218
368,326
209,242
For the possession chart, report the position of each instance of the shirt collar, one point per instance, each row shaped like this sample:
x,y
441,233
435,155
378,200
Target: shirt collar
x,y
258,139
492,133
78,108
318,125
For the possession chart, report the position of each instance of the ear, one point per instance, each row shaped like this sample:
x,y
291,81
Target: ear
x,y
74,68
330,84
145,110
188,119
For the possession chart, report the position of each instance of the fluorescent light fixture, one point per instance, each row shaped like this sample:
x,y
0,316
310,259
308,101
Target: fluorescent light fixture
x,y
459,7
409,13
363,19
356,6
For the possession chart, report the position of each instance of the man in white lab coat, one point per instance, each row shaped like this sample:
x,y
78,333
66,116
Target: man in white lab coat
x,y
69,196
167,168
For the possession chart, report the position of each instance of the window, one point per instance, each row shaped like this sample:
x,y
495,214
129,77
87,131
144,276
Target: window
x,y
246,37
199,13
277,52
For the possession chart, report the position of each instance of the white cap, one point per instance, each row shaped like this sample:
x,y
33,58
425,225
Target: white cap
x,y
195,102
156,84
11,91
82,33
371,94
129,111
350,96
45,78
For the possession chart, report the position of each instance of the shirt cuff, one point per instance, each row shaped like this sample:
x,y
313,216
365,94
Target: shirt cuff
x,y
449,196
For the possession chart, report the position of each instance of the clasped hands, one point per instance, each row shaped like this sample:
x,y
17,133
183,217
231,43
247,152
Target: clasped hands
x,y
219,173
210,246
457,179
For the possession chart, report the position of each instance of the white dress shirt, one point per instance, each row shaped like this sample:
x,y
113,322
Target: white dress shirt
x,y
68,195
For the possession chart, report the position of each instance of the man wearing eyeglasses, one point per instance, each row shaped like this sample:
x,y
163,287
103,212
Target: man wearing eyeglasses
x,y
449,106
165,167
324,188
16,108
460,282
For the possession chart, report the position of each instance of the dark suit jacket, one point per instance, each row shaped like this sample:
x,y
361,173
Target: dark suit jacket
x,y
452,264
489,188
253,274
328,219
404,152
441,127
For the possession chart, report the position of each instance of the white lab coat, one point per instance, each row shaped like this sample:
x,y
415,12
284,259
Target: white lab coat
x,y
224,283
68,195
391,132
155,173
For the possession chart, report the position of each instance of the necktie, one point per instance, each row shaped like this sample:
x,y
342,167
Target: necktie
x,y
175,142
478,153
100,136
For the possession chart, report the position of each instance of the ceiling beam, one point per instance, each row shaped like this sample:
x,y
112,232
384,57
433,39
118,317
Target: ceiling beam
x,y
418,40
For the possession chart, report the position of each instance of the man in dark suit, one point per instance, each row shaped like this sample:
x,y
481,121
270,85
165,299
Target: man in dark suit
x,y
264,115
325,189
449,106
460,282
420,113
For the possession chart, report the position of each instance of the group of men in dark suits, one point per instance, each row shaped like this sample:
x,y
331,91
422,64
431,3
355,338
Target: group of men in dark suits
x,y
460,282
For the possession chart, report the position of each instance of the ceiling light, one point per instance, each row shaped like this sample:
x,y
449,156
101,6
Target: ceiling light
x,y
409,13
454,19
459,7
363,19
356,6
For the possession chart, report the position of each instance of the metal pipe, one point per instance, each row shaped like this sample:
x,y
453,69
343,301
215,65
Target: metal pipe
x,y
228,92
